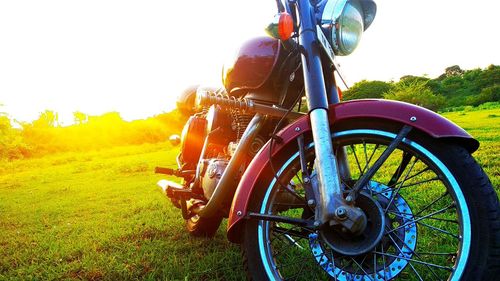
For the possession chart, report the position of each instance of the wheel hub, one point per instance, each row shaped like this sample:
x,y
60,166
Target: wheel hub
x,y
354,244
331,248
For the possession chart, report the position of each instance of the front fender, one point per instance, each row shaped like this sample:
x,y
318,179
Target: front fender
x,y
420,118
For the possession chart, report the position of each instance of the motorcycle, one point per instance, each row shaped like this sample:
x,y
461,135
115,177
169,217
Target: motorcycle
x,y
357,190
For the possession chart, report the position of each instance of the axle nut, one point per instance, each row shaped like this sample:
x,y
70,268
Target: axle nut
x,y
341,213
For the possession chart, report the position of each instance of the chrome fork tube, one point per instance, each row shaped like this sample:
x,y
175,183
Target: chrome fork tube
x,y
330,191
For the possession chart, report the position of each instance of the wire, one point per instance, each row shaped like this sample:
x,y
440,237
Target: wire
x,y
273,138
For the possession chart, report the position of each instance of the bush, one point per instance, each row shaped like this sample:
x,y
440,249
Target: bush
x,y
12,145
416,92
367,89
45,136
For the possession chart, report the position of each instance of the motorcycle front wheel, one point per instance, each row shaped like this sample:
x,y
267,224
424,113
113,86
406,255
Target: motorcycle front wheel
x,y
439,212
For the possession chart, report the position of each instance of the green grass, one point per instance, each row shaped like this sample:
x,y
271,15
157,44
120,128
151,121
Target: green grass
x,y
484,125
99,215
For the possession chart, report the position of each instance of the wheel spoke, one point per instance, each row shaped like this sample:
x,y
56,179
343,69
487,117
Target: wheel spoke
x,y
290,231
417,261
424,217
394,193
369,159
409,263
342,268
402,215
333,265
361,267
432,203
420,182
288,189
416,271
390,187
412,251
439,229
412,176
366,157
365,178
408,185
383,261
436,254
399,171
357,161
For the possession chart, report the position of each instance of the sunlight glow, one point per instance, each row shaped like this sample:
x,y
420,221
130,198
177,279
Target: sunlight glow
x,y
134,57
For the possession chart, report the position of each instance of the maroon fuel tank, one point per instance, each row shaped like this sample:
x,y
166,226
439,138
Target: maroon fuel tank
x,y
252,67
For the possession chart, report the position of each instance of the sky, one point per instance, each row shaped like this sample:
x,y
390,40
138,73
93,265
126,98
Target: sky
x,y
134,57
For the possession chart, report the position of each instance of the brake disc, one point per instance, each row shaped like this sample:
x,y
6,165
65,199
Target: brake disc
x,y
400,240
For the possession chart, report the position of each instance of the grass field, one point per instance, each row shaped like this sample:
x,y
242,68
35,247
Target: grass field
x,y
99,215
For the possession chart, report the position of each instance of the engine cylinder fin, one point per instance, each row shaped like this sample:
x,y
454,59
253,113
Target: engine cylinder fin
x,y
241,122
207,98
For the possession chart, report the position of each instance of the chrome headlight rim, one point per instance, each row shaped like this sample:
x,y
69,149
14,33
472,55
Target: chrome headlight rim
x,y
332,15
349,27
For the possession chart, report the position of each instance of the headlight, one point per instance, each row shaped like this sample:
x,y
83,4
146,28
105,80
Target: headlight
x,y
344,22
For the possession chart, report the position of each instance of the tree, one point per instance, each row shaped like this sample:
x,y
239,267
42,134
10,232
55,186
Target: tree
x,y
487,95
411,78
47,119
489,77
367,89
80,117
416,92
12,145
453,70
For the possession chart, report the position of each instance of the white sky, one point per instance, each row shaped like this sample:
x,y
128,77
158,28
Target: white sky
x,y
134,57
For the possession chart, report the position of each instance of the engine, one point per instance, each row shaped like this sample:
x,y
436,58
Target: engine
x,y
208,141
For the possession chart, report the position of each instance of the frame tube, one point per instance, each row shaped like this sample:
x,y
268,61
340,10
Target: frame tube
x,y
227,185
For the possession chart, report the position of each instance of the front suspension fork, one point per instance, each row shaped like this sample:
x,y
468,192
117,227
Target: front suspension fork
x,y
330,188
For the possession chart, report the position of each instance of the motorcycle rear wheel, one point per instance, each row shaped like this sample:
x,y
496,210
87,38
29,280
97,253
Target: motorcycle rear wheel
x,y
444,224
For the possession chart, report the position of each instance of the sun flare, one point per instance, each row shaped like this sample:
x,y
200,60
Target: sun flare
x,y
134,58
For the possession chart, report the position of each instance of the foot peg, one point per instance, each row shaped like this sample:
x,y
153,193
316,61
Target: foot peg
x,y
174,172
180,197
167,171
173,190
167,186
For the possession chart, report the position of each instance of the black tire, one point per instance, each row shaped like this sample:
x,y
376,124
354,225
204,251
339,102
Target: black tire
x,y
203,227
464,183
